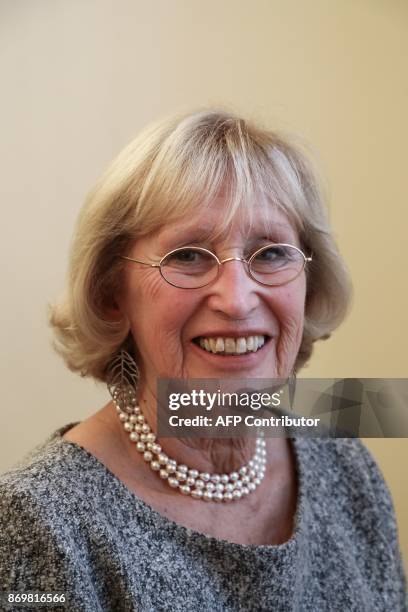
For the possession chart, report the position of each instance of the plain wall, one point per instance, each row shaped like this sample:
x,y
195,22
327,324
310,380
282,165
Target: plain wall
x,y
81,77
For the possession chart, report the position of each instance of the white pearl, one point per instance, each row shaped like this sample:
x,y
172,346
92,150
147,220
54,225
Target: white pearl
x,y
207,495
197,493
201,485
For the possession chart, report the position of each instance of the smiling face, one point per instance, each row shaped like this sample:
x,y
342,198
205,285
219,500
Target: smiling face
x,y
233,327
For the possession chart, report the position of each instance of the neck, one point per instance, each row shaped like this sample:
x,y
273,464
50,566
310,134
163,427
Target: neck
x,y
204,454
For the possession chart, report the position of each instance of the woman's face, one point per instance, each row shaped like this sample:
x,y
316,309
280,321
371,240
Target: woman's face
x,y
167,323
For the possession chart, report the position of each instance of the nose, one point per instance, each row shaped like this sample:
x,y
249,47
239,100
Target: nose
x,y
234,293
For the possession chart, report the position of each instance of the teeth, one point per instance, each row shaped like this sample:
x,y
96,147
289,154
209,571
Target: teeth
x,y
232,346
250,343
219,345
240,345
229,345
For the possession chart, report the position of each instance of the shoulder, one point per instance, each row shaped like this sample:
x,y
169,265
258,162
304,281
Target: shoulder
x,y
54,480
47,504
352,509
348,472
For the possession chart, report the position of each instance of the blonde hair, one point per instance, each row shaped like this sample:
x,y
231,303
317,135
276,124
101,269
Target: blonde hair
x,y
172,167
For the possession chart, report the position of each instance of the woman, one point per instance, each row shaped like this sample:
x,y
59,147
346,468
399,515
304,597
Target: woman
x,y
203,252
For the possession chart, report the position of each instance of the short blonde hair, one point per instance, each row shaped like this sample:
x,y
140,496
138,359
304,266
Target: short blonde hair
x,y
172,167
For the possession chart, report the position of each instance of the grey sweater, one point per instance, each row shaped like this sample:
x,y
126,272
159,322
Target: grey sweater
x,y
68,524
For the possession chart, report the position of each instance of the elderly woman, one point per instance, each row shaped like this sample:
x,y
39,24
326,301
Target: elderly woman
x,y
203,252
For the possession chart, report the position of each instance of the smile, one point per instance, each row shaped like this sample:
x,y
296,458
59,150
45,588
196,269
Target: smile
x,y
231,346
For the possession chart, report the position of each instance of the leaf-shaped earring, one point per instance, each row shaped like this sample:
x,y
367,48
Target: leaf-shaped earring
x,y
122,379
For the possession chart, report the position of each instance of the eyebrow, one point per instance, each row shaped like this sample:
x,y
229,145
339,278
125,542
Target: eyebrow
x,y
203,232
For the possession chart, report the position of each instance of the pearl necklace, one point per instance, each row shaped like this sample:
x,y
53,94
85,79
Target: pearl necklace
x,y
200,485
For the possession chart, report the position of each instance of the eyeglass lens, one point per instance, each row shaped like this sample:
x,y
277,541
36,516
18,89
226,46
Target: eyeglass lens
x,y
191,268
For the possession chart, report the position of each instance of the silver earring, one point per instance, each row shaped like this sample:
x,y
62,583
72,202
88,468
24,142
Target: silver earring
x,y
122,379
292,388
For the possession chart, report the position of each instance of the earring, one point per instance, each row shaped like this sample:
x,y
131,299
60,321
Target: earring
x,y
122,380
292,388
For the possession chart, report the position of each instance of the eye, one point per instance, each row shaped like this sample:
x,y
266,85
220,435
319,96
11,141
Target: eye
x,y
191,260
187,256
274,253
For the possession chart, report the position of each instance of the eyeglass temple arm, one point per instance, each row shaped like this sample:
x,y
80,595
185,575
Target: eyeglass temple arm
x,y
145,263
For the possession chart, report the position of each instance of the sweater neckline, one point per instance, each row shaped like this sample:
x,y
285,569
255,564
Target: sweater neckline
x,y
162,522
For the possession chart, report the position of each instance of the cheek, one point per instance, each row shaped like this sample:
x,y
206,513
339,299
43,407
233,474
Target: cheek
x,y
289,310
157,312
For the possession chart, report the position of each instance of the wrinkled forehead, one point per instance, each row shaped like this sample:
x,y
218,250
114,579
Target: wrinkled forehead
x,y
211,222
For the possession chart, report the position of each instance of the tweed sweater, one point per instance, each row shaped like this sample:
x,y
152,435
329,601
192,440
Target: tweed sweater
x,y
68,524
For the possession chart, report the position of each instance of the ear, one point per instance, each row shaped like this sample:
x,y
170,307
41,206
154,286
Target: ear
x,y
112,310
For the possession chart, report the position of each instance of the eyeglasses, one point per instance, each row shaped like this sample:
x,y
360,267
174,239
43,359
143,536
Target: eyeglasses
x,y
195,267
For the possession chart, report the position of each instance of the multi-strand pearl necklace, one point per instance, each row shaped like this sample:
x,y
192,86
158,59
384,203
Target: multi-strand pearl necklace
x,y
200,485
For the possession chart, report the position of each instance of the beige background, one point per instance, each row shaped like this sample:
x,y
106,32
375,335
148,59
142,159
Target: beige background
x,y
81,77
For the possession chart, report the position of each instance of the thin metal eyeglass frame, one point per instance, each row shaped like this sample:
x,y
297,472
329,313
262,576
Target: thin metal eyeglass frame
x,y
223,261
